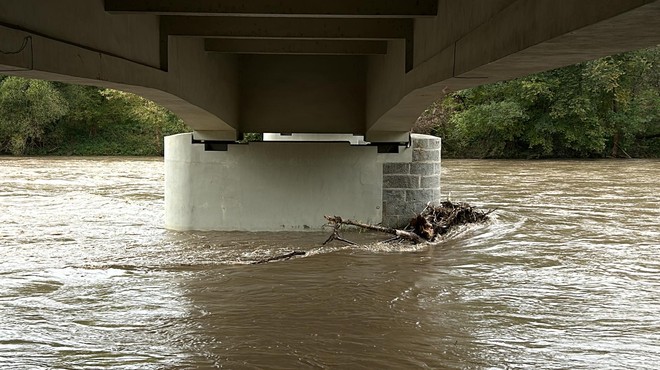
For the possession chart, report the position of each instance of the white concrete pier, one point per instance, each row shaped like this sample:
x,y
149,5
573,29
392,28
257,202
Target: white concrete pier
x,y
270,186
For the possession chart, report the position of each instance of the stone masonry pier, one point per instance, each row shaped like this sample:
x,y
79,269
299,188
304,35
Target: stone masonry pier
x,y
407,187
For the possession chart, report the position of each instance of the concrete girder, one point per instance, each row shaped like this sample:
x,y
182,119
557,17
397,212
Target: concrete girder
x,y
525,23
31,55
15,50
85,24
519,40
287,28
468,43
279,8
302,47
302,93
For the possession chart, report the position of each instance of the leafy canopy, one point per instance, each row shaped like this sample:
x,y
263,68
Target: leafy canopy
x,y
606,107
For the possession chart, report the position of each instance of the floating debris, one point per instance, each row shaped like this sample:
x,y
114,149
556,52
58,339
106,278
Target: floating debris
x,y
428,226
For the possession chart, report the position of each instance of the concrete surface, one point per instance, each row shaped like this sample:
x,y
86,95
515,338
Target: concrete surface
x,y
269,186
352,67
277,186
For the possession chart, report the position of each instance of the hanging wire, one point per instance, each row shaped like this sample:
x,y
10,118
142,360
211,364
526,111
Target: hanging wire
x,y
26,40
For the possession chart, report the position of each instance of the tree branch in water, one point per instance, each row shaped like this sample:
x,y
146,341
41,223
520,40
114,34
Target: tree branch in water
x,y
285,256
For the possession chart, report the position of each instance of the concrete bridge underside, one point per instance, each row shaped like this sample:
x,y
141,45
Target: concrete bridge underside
x,y
364,67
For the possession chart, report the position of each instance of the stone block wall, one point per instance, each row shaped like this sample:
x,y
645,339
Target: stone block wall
x,y
408,187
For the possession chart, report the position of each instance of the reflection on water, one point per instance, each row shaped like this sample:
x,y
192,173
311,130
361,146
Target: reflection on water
x,y
566,275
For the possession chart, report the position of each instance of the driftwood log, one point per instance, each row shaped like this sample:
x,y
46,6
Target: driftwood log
x,y
285,256
337,222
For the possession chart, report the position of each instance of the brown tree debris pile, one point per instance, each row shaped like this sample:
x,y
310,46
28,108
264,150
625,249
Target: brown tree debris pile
x,y
428,226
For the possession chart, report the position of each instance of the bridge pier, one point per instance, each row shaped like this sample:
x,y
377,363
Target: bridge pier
x,y
271,186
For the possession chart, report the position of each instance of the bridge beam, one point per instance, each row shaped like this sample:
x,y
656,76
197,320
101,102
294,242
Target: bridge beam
x,y
287,28
279,8
517,38
302,47
299,28
466,43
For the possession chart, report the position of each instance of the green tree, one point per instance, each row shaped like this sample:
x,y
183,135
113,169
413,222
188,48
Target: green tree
x,y
27,107
89,112
626,92
109,122
39,117
594,109
144,118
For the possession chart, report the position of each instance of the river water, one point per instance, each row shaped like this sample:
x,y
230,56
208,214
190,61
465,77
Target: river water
x,y
565,276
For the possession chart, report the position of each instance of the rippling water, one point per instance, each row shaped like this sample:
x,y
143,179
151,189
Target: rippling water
x,y
565,276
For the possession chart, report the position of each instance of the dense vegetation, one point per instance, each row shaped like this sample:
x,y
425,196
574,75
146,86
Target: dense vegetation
x,y
50,118
604,108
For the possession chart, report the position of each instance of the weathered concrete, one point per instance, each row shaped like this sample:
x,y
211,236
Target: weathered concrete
x,y
287,185
389,59
288,8
502,39
268,186
274,186
291,91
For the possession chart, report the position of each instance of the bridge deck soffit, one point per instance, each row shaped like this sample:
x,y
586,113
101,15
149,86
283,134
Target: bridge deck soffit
x,y
396,55
279,8
338,27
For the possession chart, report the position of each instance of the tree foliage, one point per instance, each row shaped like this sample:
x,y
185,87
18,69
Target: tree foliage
x,y
605,107
27,107
40,117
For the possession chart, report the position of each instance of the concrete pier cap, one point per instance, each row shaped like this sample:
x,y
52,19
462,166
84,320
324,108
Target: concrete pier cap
x,y
291,185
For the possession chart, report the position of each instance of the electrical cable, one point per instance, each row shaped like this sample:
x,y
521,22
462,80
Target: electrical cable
x,y
26,40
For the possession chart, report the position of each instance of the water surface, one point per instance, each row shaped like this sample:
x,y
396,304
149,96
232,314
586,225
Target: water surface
x,y
565,276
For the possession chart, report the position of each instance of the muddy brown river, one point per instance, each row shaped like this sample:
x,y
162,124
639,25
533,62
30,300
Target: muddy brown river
x,y
565,276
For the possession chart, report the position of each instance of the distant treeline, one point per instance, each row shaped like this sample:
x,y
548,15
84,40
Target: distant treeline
x,y
51,118
608,107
